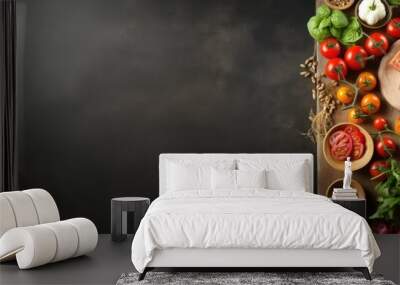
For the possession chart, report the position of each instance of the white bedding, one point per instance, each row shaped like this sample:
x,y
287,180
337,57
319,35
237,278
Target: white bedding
x,y
250,218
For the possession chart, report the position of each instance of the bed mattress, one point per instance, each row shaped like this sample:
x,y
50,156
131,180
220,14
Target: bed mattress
x,y
250,219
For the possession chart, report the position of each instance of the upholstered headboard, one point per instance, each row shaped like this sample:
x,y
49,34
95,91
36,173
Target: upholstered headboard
x,y
307,157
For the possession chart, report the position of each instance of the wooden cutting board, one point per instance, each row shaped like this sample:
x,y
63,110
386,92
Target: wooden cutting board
x,y
389,78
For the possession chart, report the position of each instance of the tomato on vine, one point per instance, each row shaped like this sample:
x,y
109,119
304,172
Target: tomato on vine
x,y
355,116
397,125
393,28
377,168
385,146
329,48
370,104
376,44
380,123
345,94
366,81
356,57
336,69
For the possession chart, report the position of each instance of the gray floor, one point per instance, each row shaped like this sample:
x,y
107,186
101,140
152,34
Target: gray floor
x,y
103,266
111,259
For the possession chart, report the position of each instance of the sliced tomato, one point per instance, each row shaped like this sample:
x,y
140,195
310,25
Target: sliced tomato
x,y
358,141
341,152
341,145
355,133
358,151
335,137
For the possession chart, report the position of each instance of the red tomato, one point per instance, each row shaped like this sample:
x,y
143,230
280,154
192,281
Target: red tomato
x,y
329,48
336,69
393,28
385,147
341,145
356,57
358,141
377,167
353,129
376,44
380,123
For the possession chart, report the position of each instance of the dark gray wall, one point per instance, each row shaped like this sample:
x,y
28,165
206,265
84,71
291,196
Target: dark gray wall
x,y
105,86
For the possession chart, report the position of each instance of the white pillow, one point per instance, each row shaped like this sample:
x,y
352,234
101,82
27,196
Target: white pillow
x,y
193,174
251,178
223,179
237,179
281,174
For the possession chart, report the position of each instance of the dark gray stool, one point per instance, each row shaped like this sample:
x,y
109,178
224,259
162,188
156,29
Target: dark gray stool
x,y
119,209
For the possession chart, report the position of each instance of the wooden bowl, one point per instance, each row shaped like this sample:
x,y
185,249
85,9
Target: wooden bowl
x,y
356,164
382,22
338,183
333,6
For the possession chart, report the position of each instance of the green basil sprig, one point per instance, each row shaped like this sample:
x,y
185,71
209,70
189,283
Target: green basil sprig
x,y
334,23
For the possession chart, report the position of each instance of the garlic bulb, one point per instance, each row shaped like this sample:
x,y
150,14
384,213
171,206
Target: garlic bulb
x,y
371,11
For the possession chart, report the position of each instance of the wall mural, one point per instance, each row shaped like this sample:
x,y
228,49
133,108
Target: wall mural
x,y
355,72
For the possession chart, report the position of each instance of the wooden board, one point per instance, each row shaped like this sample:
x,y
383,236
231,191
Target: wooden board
x,y
389,78
325,173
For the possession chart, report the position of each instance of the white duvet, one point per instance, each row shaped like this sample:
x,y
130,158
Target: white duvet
x,y
250,219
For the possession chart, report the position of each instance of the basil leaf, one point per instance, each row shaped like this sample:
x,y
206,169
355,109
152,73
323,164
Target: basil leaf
x,y
352,33
323,11
339,19
394,2
325,23
337,33
314,30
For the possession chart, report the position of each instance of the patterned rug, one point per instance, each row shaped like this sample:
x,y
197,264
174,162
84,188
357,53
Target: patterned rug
x,y
244,278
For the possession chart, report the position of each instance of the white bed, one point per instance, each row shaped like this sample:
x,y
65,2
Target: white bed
x,y
250,227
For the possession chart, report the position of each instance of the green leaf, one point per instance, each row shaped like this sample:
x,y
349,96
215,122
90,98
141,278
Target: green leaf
x,y
337,33
314,30
352,33
389,195
394,2
325,23
339,19
323,11
354,24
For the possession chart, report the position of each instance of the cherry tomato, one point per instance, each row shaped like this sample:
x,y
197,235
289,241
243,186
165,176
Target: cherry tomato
x,y
376,44
377,167
336,69
329,48
393,28
345,94
370,104
380,123
385,147
356,57
355,116
366,81
397,125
